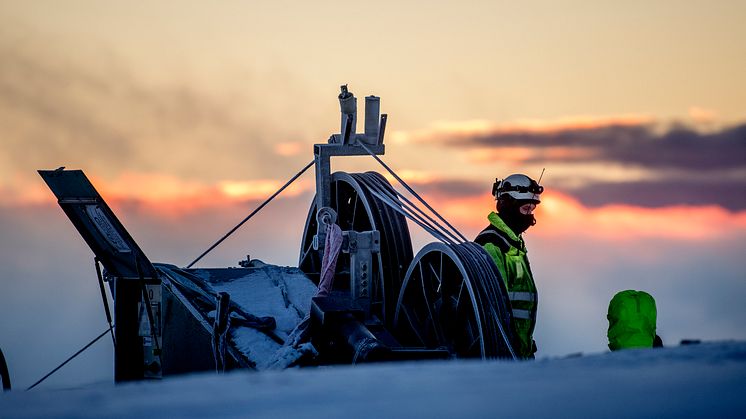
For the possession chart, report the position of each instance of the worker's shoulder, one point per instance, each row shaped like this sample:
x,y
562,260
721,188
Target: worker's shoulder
x,y
493,235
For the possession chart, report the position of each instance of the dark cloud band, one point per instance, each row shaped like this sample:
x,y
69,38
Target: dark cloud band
x,y
678,148
727,194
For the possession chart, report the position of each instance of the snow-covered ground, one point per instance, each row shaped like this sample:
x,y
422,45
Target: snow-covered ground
x,y
705,380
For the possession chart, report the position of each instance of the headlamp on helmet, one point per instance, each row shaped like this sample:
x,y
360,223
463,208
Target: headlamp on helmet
x,y
518,187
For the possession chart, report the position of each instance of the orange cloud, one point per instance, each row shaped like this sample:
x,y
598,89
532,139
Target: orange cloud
x,y
702,115
157,193
565,215
150,187
22,190
288,149
470,212
411,176
247,190
560,215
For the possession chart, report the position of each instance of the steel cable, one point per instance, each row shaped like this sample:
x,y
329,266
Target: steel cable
x,y
416,219
423,218
267,201
71,358
420,217
413,212
401,181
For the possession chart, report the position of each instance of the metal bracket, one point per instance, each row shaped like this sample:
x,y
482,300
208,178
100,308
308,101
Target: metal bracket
x,y
150,330
324,217
322,157
361,246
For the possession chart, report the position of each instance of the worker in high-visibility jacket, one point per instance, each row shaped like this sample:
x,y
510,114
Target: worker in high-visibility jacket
x,y
517,197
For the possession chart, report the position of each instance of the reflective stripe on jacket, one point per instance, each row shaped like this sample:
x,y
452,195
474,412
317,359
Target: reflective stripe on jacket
x,y
509,253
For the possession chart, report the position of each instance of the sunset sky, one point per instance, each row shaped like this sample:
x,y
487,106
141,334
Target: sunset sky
x,y
186,115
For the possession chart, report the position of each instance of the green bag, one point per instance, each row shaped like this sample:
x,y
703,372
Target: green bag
x,y
632,319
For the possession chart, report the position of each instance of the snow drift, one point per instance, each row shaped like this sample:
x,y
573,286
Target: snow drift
x,y
706,380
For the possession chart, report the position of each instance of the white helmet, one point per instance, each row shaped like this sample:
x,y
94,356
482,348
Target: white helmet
x,y
517,186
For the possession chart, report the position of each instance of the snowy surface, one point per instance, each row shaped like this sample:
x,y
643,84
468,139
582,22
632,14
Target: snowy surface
x,y
706,380
283,293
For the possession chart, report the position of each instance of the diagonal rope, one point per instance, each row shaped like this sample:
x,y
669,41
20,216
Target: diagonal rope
x,y
415,213
71,358
390,200
403,183
267,201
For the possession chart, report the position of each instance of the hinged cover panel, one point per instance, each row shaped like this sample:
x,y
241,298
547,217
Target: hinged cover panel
x,y
98,225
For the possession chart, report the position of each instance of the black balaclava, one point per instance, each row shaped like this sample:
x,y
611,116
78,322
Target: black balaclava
x,y
509,210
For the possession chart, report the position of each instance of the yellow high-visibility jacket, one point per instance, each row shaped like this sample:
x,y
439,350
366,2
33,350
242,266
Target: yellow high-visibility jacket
x,y
509,253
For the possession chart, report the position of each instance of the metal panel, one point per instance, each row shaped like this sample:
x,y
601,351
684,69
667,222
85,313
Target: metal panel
x,y
97,224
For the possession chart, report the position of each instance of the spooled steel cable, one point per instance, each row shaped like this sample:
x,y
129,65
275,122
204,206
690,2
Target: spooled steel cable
x,y
492,289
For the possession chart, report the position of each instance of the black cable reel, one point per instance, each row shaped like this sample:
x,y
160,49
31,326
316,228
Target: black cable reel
x,y
450,296
453,296
358,210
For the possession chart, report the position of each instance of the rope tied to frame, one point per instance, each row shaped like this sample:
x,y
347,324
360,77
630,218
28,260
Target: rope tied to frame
x,y
248,217
104,333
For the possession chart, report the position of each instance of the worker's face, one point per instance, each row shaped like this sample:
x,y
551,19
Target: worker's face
x,y
527,209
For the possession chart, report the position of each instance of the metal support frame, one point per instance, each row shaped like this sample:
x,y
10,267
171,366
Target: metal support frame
x,y
322,158
346,143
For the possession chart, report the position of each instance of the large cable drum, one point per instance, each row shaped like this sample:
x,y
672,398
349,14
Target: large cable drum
x,y
359,210
453,297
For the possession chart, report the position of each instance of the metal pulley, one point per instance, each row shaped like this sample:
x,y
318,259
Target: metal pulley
x,y
324,217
